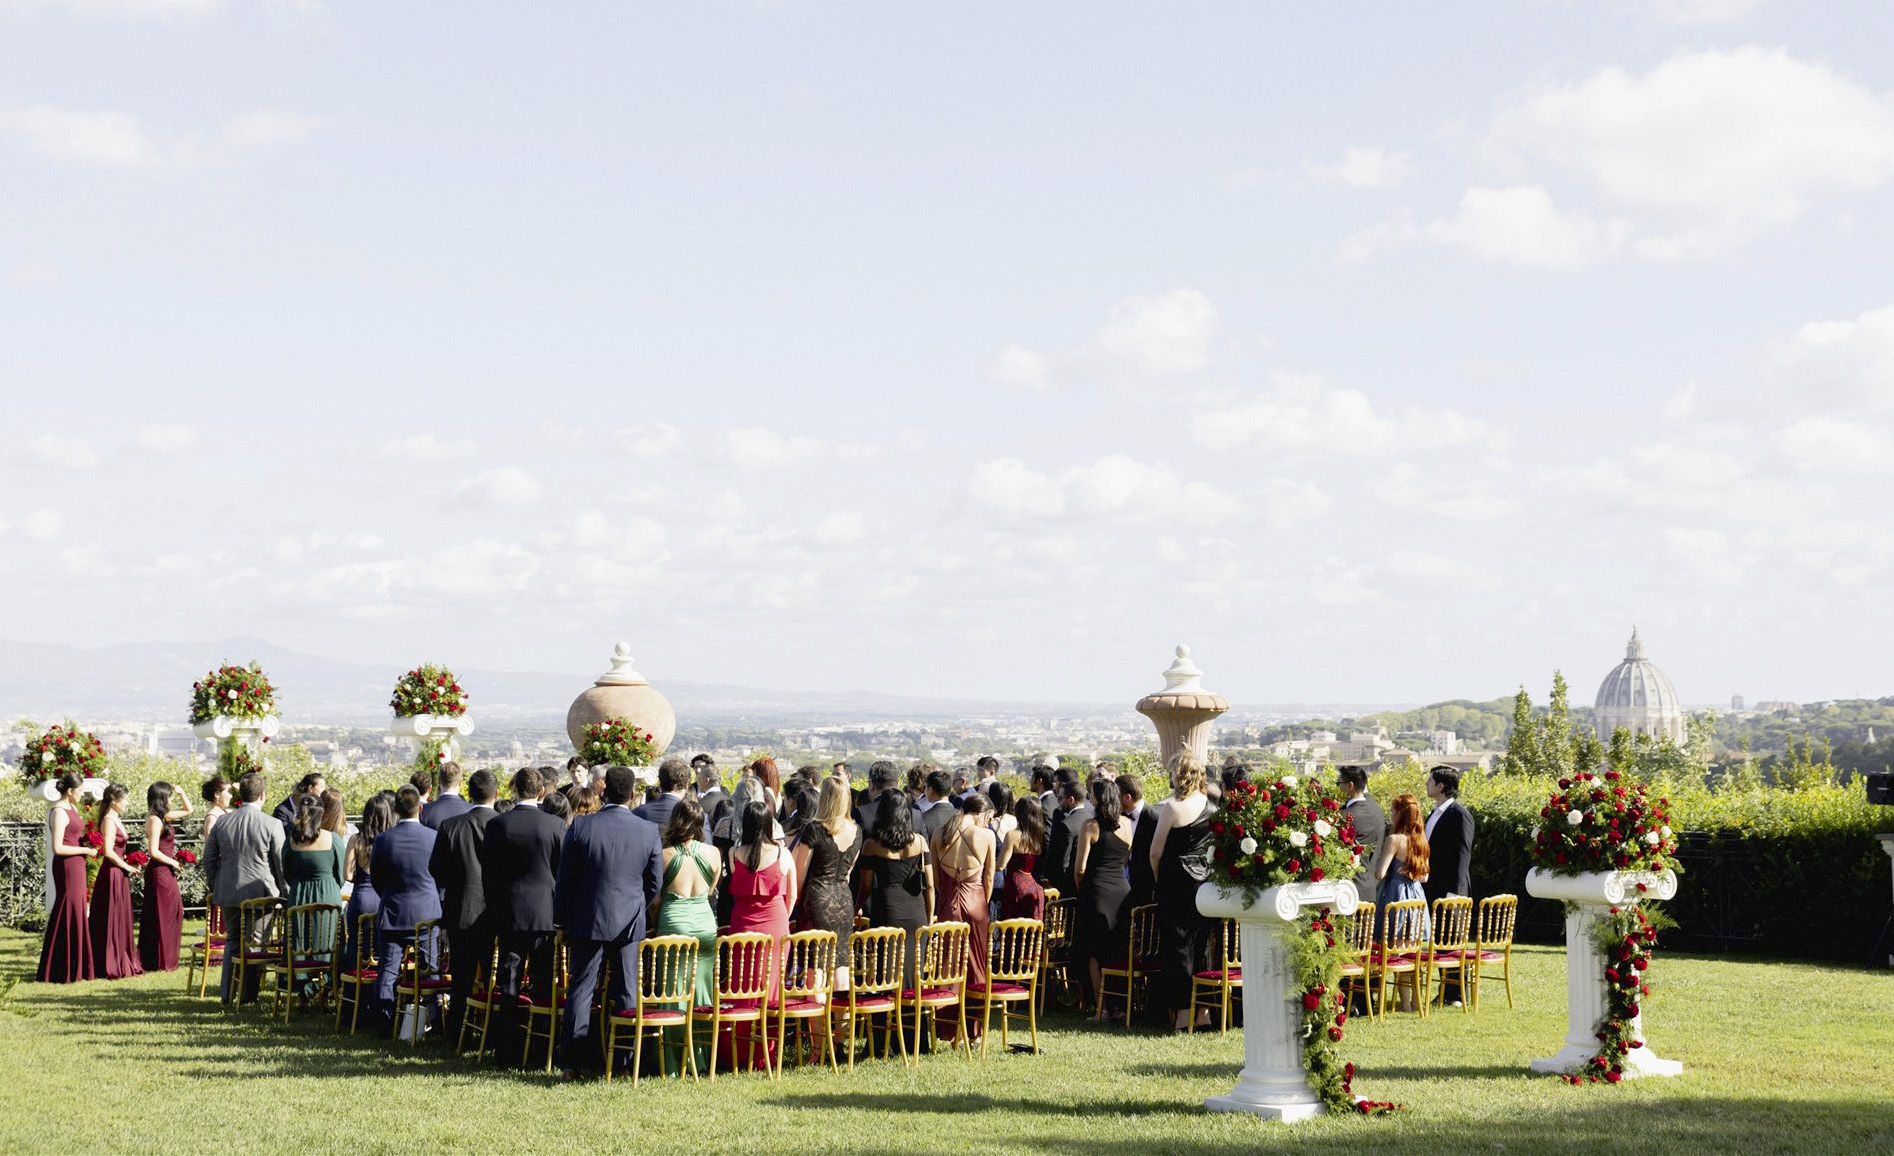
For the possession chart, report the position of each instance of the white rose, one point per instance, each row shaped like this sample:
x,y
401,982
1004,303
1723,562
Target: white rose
x,y
1289,781
1666,831
1653,838
1575,817
1247,846
46,756
1298,839
1535,834
230,694
1324,828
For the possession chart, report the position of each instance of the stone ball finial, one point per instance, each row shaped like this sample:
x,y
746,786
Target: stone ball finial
x,y
622,672
622,692
1183,674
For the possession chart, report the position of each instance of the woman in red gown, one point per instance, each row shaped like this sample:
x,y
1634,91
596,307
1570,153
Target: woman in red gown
x,y
963,891
161,919
762,890
114,954
1021,896
66,955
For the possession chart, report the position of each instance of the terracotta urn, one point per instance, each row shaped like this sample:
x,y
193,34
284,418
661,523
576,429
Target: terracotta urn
x,y
622,692
1183,710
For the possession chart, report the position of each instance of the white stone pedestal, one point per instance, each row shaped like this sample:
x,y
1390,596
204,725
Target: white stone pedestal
x,y
47,790
1588,898
246,731
424,728
1273,1083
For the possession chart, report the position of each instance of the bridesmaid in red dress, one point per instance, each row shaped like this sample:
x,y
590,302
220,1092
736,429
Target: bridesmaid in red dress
x,y
161,919
66,956
1021,896
114,955
762,890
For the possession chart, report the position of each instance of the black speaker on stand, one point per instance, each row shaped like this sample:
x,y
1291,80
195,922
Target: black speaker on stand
x,y
1880,786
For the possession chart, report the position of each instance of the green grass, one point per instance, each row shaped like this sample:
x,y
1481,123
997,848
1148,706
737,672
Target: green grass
x,y
1780,1057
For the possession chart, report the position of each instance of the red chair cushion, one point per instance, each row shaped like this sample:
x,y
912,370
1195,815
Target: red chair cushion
x,y
746,1011
261,957
997,990
654,1016
931,994
1483,956
871,1003
804,1007
430,983
361,975
1235,973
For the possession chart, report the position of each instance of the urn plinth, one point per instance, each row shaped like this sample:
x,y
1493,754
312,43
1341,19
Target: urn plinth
x,y
622,692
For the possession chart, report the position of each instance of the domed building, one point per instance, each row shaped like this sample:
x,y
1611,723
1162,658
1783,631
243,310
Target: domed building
x,y
1639,697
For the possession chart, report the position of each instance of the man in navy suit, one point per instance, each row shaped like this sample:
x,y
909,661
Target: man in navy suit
x,y
674,776
519,860
447,802
611,868
398,867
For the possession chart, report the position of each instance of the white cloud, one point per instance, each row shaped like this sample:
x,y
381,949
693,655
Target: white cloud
x,y
1703,11
1447,494
123,9
1837,445
840,528
426,447
756,448
40,525
1020,368
1284,503
478,571
1016,490
1680,405
1520,225
168,438
1434,572
1361,168
1302,414
1114,486
637,538
504,486
62,451
652,439
266,128
112,139
1162,333
1848,363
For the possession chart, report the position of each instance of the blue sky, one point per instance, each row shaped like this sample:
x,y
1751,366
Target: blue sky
x,y
1378,352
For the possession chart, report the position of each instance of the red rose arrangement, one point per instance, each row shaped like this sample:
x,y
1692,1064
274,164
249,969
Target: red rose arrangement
x,y
137,859
187,857
59,750
1286,831
428,690
1604,822
616,742
1315,965
233,692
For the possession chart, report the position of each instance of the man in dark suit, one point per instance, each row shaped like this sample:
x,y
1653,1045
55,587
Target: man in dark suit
x,y
447,801
1371,824
611,869
519,861
930,820
398,867
310,784
1143,829
1449,837
710,793
1056,864
674,777
457,868
882,778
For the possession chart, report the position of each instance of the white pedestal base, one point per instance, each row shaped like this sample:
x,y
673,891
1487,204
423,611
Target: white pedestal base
x,y
1639,1063
1287,1113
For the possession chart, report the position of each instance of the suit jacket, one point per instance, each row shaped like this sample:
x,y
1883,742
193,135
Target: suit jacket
x,y
243,858
658,811
285,812
457,869
1371,830
398,867
442,809
1143,879
611,868
933,820
519,860
1450,849
1054,866
715,802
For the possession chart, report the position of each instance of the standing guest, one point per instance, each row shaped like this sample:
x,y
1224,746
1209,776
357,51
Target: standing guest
x,y
1143,830
1403,868
1234,771
243,859
1021,897
161,917
895,888
710,793
577,773
611,869
674,778
988,769
964,866
456,866
963,783
843,772
1055,866
1449,837
216,795
881,781
310,784
914,784
691,870
1004,823
335,820
559,805
1100,856
65,954
447,801
834,841
313,865
114,954
398,866
771,777
1042,789
378,814
935,810
1371,823
799,801
519,860
763,885
1179,861
584,800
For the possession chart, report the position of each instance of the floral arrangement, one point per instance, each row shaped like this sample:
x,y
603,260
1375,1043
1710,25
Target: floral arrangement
x,y
235,760
428,690
616,742
187,857
1288,831
61,749
137,859
1315,965
1627,937
234,692
1605,822
95,839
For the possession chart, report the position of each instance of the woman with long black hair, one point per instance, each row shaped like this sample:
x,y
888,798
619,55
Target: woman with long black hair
x,y
161,919
65,955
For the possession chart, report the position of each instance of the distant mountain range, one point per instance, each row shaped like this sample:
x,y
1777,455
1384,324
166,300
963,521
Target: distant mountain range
x,y
151,682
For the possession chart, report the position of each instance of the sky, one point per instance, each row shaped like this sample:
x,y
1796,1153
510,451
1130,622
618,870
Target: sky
x,y
1379,353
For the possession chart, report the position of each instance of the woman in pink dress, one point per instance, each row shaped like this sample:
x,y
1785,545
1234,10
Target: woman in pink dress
x,y
963,888
161,918
66,953
114,954
762,891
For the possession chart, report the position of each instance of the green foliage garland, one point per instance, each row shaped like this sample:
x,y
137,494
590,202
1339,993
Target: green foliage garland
x,y
60,749
234,692
1627,937
616,742
1315,967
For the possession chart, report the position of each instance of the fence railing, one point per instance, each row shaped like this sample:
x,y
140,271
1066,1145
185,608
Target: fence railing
x,y
23,872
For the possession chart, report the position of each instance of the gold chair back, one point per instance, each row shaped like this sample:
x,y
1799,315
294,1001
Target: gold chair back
x,y
943,953
877,961
1404,927
808,964
1498,915
1059,922
1452,925
743,965
1014,948
1358,931
1143,938
667,972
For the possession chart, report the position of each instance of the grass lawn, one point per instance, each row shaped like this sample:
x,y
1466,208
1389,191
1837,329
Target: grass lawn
x,y
1780,1057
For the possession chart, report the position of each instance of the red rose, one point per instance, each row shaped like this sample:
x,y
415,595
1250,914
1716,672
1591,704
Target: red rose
x,y
1295,866
1317,875
1310,1001
1335,1034
1613,1077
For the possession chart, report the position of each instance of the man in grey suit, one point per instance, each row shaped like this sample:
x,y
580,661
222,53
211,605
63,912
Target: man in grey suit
x,y
934,810
1371,824
243,859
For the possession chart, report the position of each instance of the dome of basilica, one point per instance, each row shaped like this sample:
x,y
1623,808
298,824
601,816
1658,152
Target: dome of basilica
x,y
1639,697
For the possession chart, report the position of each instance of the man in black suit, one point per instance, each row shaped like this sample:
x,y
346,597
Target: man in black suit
x,y
611,869
1056,863
1371,824
310,784
398,867
1143,830
710,793
457,869
674,778
519,860
447,801
1449,837
882,778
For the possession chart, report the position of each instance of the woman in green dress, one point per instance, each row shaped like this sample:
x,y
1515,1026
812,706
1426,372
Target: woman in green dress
x,y
312,865
691,867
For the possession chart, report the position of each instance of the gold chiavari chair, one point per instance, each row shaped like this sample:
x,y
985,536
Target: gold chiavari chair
x,y
1213,988
1357,934
545,1003
877,971
1445,954
1140,964
1058,962
745,963
666,995
1052,894
1397,956
356,973
1014,949
208,951
259,942
311,940
808,973
941,957
1493,945
483,1000
416,984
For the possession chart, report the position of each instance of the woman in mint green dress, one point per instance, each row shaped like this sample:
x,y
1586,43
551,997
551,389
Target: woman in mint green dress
x,y
691,867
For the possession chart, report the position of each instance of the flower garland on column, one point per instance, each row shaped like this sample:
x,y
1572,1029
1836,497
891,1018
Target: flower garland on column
x,y
1291,831
1628,939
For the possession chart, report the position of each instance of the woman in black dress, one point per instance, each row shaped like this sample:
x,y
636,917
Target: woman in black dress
x,y
1180,858
834,841
897,889
1099,862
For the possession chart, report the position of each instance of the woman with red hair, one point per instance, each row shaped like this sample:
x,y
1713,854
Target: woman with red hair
x,y
1402,867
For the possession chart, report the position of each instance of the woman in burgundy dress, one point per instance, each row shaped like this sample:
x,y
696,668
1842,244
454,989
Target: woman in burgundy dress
x,y
66,956
114,954
1021,896
963,889
161,919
